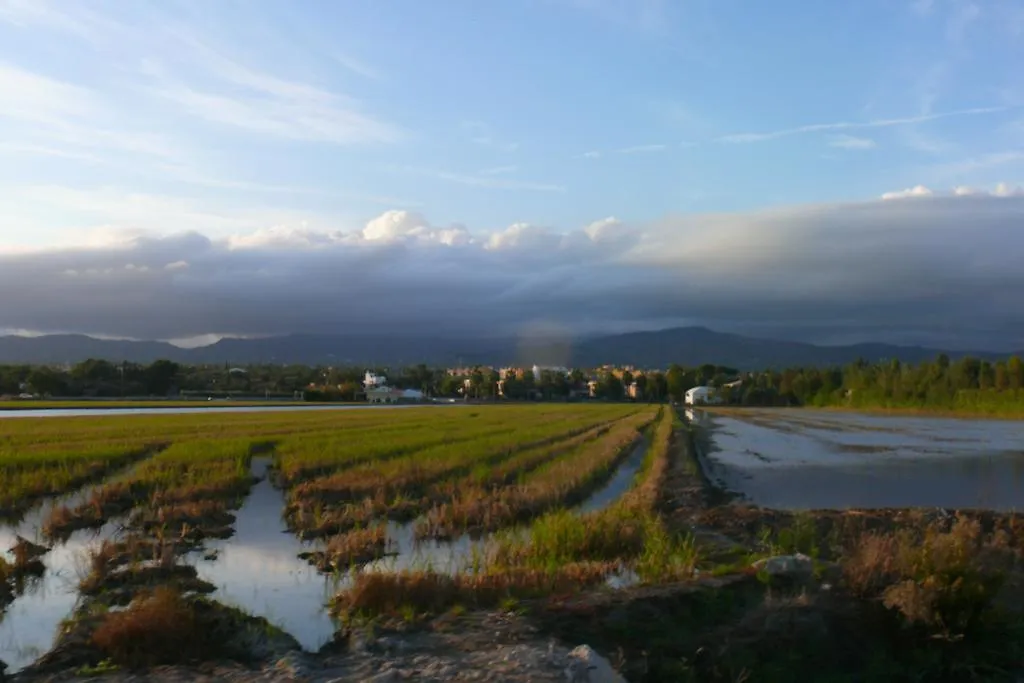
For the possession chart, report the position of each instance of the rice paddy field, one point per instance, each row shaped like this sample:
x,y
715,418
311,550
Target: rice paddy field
x,y
487,502
476,537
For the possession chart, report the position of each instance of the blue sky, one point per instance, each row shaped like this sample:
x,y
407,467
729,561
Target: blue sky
x,y
281,125
552,112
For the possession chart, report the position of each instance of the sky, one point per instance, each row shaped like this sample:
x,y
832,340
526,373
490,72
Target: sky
x,y
829,172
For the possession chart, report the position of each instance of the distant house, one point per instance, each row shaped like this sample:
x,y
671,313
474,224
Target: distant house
x,y
378,391
383,394
372,379
701,396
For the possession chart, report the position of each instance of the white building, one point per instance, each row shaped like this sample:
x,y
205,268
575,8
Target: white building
x,y
373,380
701,396
556,369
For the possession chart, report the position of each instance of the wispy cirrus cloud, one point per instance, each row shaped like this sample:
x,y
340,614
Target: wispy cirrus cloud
x,y
499,170
851,142
738,138
480,180
256,100
481,134
633,149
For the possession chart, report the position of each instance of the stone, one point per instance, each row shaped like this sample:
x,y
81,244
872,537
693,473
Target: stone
x,y
586,666
798,566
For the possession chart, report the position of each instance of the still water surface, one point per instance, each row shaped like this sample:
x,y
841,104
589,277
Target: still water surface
x,y
112,412
789,458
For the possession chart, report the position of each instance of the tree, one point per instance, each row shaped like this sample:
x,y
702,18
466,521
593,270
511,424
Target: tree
x,y
46,381
1015,372
676,383
160,377
610,387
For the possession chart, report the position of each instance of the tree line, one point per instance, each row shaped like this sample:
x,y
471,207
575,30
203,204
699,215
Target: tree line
x,y
967,383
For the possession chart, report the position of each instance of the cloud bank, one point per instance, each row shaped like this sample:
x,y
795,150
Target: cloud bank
x,y
916,266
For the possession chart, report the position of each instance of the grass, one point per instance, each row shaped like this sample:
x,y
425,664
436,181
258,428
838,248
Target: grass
x,y
629,532
376,593
911,597
403,486
347,550
108,404
562,481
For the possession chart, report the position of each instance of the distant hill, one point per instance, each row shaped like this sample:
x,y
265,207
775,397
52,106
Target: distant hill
x,y
685,345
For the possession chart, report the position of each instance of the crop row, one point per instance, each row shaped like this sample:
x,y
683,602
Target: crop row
x,y
629,532
187,484
561,552
26,478
315,457
396,487
367,543
564,481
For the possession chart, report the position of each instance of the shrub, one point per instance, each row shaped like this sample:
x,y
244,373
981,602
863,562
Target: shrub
x,y
157,628
945,580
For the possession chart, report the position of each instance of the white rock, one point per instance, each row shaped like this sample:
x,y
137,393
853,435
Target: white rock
x,y
792,566
586,666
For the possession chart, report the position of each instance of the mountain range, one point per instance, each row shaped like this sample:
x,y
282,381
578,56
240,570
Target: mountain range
x,y
684,345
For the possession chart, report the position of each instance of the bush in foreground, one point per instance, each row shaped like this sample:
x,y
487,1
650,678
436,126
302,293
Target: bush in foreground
x,y
159,628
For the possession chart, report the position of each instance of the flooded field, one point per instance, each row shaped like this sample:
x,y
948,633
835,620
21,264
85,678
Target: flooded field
x,y
233,505
803,459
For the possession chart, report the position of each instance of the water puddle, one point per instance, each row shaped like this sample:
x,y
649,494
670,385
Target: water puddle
x,y
620,482
29,626
258,569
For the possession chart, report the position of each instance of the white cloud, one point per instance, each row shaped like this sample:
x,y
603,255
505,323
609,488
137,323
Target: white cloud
x,y
499,170
636,149
633,149
317,116
487,181
851,142
40,99
916,191
844,125
1000,190
1006,190
876,265
481,134
356,66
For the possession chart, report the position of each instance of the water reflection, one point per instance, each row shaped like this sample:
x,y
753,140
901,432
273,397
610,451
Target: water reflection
x,y
29,625
805,459
620,482
259,571
112,412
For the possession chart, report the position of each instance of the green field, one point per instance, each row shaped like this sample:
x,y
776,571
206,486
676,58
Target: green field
x,y
106,404
510,478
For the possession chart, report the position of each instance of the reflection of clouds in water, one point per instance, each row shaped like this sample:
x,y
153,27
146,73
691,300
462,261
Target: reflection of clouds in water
x,y
29,625
893,463
259,571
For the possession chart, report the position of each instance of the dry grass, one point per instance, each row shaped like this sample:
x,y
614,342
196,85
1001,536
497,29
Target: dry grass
x,y
431,592
351,549
946,580
564,481
157,628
